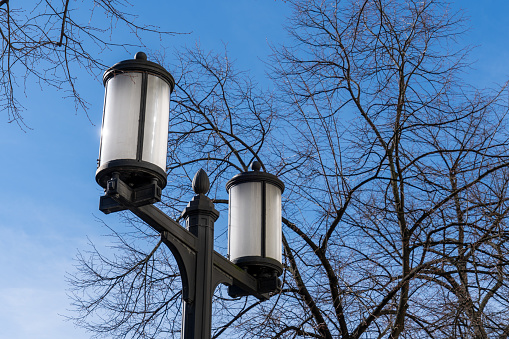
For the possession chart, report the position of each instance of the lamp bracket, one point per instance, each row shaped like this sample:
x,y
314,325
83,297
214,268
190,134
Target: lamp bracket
x,y
118,195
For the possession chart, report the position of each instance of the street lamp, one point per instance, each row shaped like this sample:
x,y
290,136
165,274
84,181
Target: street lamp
x,y
134,133
131,170
254,224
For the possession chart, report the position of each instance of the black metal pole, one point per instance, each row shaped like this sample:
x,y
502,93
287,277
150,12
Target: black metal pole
x,y
200,216
201,268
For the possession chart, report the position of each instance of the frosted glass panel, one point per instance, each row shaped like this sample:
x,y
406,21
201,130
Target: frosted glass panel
x,y
119,135
273,222
155,141
245,220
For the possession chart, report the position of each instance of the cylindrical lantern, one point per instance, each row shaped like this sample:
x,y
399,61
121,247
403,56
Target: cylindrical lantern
x,y
254,221
134,133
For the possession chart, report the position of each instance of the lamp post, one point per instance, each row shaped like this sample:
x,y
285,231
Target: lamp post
x,y
131,169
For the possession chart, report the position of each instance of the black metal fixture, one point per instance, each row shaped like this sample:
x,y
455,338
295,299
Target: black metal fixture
x,y
132,172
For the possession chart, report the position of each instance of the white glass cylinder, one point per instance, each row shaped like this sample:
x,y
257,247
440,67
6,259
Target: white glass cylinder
x,y
155,140
245,220
273,239
119,134
254,221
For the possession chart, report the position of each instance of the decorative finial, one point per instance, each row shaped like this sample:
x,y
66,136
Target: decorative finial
x,y
201,183
255,166
140,56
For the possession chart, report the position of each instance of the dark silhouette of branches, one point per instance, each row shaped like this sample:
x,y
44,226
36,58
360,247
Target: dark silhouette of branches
x,y
44,42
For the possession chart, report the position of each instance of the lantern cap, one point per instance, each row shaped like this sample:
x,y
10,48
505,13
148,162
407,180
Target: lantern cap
x,y
139,64
255,176
201,183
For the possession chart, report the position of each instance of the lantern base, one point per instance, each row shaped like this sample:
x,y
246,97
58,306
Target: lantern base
x,y
266,272
255,264
133,172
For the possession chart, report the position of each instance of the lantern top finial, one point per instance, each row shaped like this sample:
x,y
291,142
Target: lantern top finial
x,y
140,56
201,183
256,166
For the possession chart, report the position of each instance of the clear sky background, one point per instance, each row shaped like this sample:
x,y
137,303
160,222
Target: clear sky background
x,y
48,195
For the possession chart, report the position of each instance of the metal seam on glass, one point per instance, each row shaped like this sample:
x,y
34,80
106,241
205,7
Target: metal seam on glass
x,y
264,220
141,122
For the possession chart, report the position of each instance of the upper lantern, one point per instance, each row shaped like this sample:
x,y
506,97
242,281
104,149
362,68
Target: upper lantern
x,y
134,133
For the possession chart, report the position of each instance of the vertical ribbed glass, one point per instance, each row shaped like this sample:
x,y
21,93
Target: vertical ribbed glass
x,y
244,224
119,134
273,222
157,111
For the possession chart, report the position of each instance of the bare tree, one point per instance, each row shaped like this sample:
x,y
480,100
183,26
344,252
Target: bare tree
x,y
44,42
396,173
397,147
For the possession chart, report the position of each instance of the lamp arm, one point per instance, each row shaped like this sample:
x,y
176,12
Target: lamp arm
x,y
182,243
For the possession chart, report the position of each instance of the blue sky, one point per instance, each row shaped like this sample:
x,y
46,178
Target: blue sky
x,y
49,198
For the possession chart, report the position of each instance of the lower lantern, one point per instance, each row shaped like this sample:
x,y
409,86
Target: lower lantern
x,y
254,223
